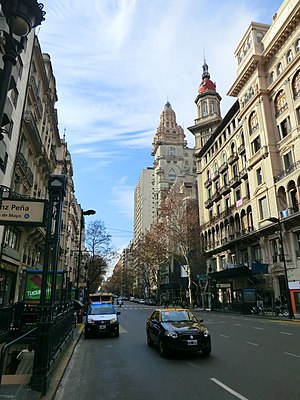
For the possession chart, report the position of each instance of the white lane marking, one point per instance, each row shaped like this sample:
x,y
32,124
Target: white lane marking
x,y
258,328
236,394
238,324
122,329
286,333
291,354
224,336
252,344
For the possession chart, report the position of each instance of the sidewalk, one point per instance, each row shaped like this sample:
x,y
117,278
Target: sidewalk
x,y
22,391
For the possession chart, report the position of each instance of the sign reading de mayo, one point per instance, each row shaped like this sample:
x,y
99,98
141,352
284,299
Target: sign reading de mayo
x,y
22,212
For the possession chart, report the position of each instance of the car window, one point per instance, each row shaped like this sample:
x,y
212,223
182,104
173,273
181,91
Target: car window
x,y
102,310
178,316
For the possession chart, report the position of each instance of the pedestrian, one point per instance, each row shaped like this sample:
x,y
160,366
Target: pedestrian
x,y
25,358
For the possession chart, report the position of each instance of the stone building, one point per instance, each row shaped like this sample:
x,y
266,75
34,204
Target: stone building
x,y
31,151
248,167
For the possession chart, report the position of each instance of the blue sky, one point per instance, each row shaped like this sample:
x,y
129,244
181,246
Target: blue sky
x,y
116,63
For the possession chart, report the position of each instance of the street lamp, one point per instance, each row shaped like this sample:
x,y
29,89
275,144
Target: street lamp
x,y
288,294
82,214
21,16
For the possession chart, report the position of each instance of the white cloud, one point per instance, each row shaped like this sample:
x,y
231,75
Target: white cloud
x,y
116,63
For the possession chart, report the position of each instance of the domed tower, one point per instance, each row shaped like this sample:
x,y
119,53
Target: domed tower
x,y
172,157
208,110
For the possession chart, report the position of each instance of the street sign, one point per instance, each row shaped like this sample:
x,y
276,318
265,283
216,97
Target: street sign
x,y
22,212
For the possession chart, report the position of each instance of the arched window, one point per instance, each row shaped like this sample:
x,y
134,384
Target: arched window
x,y
289,56
296,84
297,46
212,107
279,69
233,151
172,175
223,158
272,77
253,122
280,102
204,109
216,167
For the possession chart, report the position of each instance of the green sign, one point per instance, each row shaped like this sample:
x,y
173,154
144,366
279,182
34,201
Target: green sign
x,y
33,286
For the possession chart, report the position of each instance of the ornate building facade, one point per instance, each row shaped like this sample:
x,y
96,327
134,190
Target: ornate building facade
x,y
248,167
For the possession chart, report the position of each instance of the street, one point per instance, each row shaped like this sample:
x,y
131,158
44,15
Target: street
x,y
252,359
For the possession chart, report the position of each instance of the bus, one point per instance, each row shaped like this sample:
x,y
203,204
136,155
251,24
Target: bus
x,y
102,297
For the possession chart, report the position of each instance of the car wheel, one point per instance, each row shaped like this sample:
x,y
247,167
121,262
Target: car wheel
x,y
149,340
162,349
117,333
207,351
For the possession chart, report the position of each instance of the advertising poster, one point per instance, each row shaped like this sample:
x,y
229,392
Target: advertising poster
x,y
33,286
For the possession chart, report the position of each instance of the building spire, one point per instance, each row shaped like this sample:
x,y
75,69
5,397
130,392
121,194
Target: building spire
x,y
205,74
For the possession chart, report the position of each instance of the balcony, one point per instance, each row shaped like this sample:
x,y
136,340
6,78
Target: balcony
x,y
223,167
287,171
235,181
225,189
34,132
281,110
22,165
244,173
215,175
233,157
207,183
208,203
216,196
241,149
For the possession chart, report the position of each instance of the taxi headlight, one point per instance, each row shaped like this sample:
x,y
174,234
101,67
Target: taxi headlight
x,y
113,320
173,335
206,333
91,321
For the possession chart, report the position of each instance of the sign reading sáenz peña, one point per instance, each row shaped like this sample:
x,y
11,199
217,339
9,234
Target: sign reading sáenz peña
x,y
22,212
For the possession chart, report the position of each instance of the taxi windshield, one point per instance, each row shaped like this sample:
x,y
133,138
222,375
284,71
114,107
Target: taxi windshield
x,y
100,310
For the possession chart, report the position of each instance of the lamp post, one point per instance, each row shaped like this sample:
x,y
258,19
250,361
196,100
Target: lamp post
x,y
288,294
21,16
81,223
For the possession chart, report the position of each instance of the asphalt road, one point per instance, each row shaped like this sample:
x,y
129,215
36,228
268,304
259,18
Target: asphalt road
x,y
252,359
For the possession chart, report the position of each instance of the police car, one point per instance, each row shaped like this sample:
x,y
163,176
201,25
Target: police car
x,y
101,318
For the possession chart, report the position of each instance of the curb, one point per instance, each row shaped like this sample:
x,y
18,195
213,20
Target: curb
x,y
61,367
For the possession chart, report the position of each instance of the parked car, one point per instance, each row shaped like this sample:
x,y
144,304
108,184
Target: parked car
x,y
177,329
102,318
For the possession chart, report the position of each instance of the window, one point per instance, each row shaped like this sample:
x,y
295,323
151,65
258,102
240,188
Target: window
x,y
279,69
272,77
253,122
284,128
171,151
274,249
172,175
280,103
14,96
237,195
296,85
288,160
227,204
297,46
204,109
212,107
257,253
259,177
297,237
12,238
225,179
289,56
256,145
263,207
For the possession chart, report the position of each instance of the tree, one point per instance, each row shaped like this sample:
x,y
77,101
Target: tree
x,y
100,252
179,230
